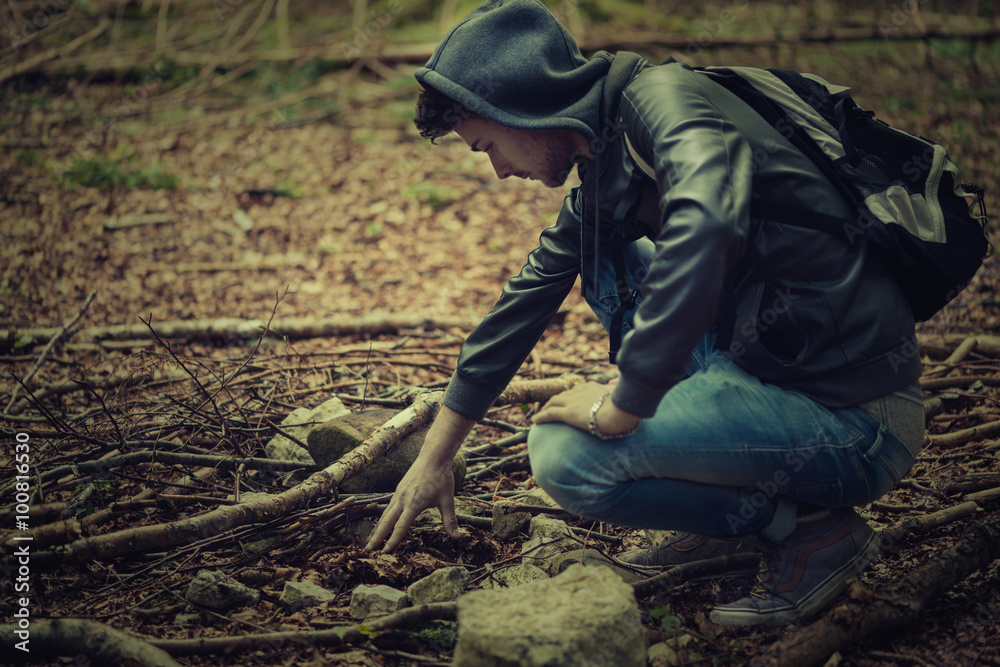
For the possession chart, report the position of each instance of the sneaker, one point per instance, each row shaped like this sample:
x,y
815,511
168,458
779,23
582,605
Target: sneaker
x,y
679,548
802,576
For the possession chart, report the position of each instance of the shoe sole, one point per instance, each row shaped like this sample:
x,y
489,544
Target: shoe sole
x,y
810,605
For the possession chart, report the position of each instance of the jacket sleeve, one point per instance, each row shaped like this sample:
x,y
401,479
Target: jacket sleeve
x,y
703,167
497,347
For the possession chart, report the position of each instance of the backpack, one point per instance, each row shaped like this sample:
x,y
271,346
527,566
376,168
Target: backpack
x,y
904,188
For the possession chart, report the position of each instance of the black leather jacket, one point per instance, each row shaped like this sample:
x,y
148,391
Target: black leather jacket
x,y
799,308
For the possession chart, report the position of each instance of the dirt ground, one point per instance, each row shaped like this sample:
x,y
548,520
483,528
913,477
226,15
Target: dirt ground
x,y
337,213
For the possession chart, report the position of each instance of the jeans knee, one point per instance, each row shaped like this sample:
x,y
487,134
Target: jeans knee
x,y
561,465
543,454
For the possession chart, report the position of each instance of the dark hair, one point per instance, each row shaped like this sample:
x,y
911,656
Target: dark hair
x,y
438,114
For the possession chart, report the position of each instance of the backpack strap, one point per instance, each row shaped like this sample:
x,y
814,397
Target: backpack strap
x,y
761,107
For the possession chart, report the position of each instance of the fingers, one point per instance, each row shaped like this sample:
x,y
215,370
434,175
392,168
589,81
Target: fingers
x,y
553,414
448,517
385,524
403,524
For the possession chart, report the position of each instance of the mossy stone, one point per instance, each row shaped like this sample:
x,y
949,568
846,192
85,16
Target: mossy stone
x,y
333,439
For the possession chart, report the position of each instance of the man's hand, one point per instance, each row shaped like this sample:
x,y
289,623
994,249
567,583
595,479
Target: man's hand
x,y
573,407
423,486
428,483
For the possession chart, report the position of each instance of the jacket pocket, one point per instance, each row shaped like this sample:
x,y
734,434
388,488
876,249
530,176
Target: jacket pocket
x,y
768,326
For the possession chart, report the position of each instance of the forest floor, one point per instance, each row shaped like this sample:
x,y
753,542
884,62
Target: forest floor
x,y
341,213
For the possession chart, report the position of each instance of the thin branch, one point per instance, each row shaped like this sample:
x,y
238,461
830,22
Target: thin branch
x,y
63,334
222,420
104,406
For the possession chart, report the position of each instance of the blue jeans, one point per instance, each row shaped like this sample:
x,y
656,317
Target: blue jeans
x,y
725,455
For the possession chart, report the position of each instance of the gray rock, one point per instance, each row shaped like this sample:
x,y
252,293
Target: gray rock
x,y
567,559
471,507
215,590
442,585
585,616
544,526
540,498
674,651
663,655
334,438
188,618
298,424
262,545
300,594
549,538
507,523
368,601
515,575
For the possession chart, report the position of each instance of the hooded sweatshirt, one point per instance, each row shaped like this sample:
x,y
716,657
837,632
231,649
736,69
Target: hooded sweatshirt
x,y
799,308
514,63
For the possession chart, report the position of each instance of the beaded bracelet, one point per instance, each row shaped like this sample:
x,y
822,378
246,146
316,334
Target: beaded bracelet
x,y
595,431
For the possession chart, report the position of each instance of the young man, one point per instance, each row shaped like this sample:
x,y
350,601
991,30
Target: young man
x,y
767,377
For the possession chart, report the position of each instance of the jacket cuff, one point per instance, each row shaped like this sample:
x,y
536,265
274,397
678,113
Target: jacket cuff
x,y
469,398
637,398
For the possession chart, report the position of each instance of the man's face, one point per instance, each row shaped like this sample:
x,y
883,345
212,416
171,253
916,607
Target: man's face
x,y
540,155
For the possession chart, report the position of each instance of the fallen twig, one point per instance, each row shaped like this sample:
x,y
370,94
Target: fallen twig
x,y
34,62
921,524
138,220
69,387
105,466
57,339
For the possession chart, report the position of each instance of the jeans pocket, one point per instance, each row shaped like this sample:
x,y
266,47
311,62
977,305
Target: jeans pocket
x,y
887,461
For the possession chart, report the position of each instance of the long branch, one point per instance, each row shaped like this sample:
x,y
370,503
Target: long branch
x,y
343,636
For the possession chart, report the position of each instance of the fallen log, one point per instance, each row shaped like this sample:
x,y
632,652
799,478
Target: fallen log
x,y
932,384
895,605
397,53
965,436
105,466
986,344
235,327
77,637
342,636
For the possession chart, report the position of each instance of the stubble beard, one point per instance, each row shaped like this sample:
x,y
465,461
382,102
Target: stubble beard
x,y
558,157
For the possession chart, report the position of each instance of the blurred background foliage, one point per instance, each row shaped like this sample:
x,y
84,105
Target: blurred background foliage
x,y
930,66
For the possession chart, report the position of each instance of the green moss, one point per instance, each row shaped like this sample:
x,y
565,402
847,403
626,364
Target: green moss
x,y
109,173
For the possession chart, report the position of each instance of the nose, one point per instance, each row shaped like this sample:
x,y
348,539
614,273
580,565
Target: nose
x,y
501,167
